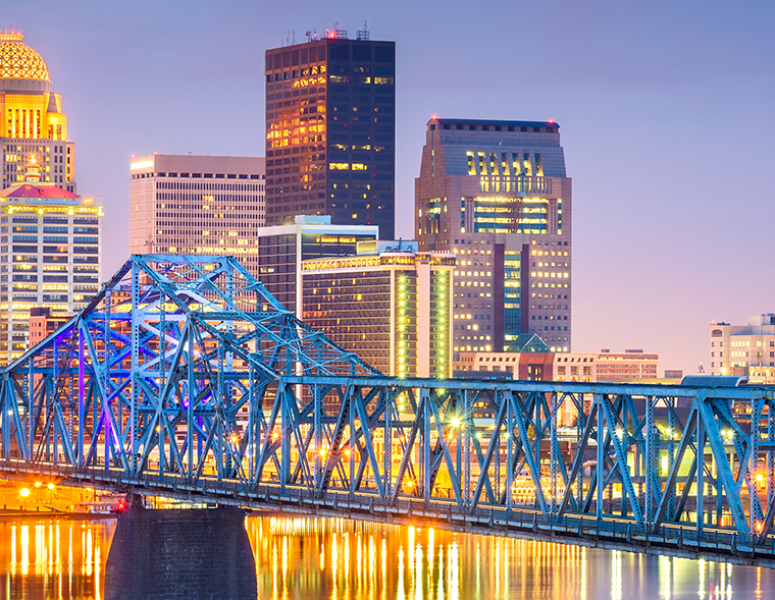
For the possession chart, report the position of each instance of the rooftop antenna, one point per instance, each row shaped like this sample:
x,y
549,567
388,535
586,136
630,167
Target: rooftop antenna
x,y
363,34
293,38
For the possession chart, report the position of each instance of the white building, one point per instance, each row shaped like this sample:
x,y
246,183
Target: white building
x,y
744,350
212,205
50,242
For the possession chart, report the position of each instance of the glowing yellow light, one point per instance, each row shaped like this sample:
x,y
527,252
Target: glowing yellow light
x,y
38,484
50,486
24,492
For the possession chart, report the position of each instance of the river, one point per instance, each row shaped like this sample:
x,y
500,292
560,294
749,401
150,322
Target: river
x,y
316,559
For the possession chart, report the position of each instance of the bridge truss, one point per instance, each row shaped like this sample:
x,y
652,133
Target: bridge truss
x,y
185,378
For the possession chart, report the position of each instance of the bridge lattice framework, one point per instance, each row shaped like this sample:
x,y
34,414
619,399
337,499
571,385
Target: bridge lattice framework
x,y
184,373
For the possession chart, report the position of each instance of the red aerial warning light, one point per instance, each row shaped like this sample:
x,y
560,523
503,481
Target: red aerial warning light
x,y
551,120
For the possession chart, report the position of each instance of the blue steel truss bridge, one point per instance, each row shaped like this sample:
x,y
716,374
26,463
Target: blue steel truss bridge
x,y
185,378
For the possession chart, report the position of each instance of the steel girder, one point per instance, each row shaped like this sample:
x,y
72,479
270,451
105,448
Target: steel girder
x,y
168,372
185,371
631,452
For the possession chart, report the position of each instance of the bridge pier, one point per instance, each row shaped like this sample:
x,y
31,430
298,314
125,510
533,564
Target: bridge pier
x,y
177,554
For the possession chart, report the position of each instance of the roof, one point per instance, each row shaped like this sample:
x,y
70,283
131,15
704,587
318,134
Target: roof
x,y
18,60
713,380
528,342
27,190
496,123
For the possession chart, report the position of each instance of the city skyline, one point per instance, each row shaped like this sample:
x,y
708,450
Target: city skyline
x,y
658,106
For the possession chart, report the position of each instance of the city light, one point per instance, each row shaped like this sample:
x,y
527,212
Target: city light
x,y
24,492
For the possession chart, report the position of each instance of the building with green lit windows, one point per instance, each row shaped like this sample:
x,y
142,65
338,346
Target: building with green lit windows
x,y
389,303
496,195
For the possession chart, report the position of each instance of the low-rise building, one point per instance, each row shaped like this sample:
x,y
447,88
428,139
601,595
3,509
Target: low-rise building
x,y
743,350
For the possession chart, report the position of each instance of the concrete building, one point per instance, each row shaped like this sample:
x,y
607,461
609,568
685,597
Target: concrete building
x,y
282,249
32,124
389,304
197,205
606,366
330,131
496,194
43,324
50,242
744,350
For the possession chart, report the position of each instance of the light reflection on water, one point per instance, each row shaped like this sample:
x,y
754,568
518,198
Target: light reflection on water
x,y
330,559
53,558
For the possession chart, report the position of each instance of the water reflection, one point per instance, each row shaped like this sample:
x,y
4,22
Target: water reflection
x,y
333,559
50,558
338,559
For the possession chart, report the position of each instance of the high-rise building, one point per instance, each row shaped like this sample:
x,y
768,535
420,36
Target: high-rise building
x,y
740,350
496,194
389,304
330,131
50,242
32,123
282,249
197,205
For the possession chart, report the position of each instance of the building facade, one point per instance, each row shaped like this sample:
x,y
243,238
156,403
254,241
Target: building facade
x,y
33,124
496,194
606,366
744,350
530,360
389,304
197,205
282,249
50,242
330,131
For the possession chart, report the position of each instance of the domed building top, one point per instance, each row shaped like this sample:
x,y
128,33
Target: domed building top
x,y
21,67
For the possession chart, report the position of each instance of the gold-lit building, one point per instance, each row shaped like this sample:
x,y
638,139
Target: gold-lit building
x,y
389,304
50,242
208,205
33,124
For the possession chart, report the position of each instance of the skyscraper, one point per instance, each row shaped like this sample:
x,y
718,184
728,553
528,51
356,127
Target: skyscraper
x,y
197,205
496,194
330,131
32,123
50,243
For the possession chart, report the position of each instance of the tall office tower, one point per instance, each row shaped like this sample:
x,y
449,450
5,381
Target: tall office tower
x,y
32,123
50,243
496,194
330,131
283,248
388,304
197,205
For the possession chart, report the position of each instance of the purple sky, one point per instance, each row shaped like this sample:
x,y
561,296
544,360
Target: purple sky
x,y
665,111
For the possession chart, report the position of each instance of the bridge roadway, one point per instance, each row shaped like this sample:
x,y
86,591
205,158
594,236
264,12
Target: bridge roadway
x,y
521,521
185,378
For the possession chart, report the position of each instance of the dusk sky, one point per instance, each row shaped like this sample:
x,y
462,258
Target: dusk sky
x,y
665,112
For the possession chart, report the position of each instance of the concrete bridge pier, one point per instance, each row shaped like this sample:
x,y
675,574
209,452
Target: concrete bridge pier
x,y
180,554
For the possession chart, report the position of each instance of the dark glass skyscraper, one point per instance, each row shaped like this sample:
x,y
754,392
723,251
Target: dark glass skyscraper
x,y
330,132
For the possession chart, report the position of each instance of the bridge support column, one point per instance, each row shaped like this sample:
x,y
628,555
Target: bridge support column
x,y
191,554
